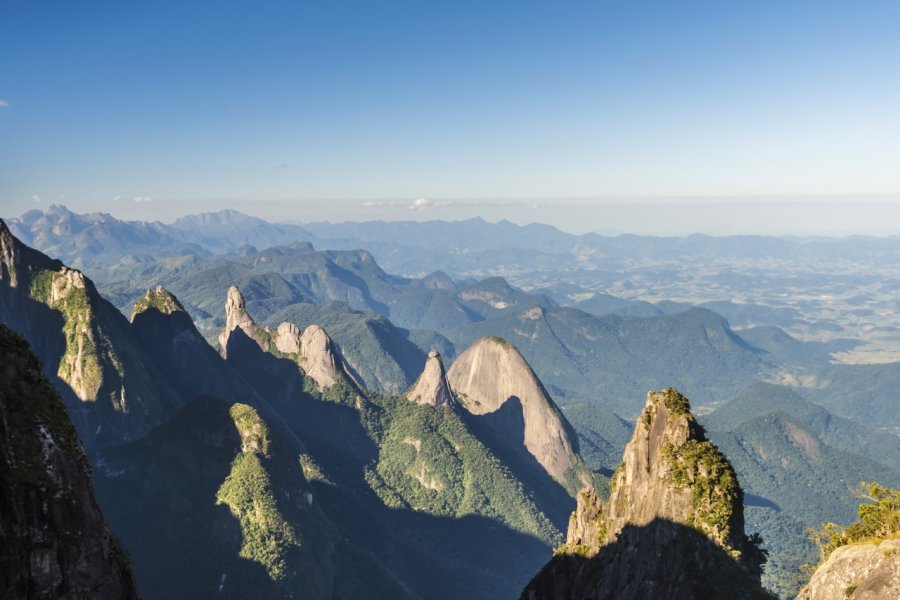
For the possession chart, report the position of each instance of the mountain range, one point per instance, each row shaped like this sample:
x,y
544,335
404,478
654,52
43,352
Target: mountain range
x,y
297,408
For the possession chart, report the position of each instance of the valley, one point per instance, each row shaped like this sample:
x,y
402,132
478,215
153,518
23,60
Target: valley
x,y
399,417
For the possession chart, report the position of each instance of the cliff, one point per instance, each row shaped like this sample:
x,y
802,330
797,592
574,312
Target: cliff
x,y
490,374
868,571
313,350
432,387
673,526
111,388
54,542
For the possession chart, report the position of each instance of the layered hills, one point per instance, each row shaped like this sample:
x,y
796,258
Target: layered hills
x,y
273,455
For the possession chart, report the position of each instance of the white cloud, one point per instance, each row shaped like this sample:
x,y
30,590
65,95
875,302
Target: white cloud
x,y
142,199
35,198
3,103
116,198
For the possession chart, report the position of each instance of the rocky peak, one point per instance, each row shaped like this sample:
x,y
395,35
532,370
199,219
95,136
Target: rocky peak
x,y
318,357
432,387
236,315
492,372
159,299
669,470
312,349
673,526
287,338
236,310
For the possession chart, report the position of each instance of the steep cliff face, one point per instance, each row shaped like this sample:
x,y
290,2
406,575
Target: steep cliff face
x,y
54,542
867,571
671,471
236,316
312,349
113,392
432,387
318,357
490,373
673,526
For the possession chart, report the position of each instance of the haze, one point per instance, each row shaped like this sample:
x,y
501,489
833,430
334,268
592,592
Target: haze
x,y
337,111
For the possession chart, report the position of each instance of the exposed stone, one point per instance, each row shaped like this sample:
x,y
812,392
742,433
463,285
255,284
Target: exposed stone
x,y
318,357
160,299
236,316
432,387
673,526
490,373
859,571
287,338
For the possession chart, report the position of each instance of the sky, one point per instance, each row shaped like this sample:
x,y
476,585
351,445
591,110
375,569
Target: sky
x,y
603,115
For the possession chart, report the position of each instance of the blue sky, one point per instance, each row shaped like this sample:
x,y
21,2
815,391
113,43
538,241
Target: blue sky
x,y
313,109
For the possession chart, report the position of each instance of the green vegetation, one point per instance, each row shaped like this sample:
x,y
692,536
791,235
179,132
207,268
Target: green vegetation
x,y
249,493
879,519
499,340
429,461
159,299
700,465
311,469
789,489
676,403
41,285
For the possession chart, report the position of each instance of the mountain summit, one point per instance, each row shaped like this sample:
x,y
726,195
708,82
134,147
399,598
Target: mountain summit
x,y
313,349
432,386
490,374
673,526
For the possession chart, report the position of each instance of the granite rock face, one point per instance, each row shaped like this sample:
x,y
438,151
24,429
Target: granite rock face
x,y
313,349
673,526
492,372
318,357
432,387
858,571
54,542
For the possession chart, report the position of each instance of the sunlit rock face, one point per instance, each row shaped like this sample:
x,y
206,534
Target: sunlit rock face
x,y
673,526
432,387
492,372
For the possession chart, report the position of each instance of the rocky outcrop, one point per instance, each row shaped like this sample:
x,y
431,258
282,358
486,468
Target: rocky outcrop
x,y
670,471
312,349
54,542
432,387
159,299
236,316
287,338
490,373
673,526
318,357
111,388
867,571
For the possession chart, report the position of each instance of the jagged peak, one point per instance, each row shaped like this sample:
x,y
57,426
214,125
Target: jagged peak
x,y
287,338
666,466
159,299
432,386
670,471
319,358
491,372
236,316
